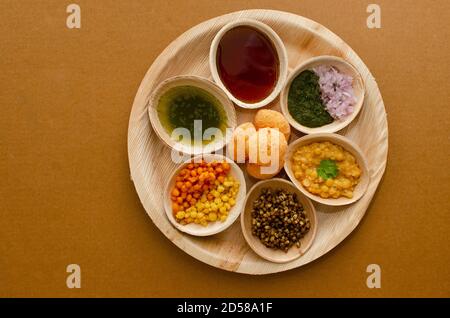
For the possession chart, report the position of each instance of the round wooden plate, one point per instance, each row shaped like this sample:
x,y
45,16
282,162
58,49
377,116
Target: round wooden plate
x,y
150,160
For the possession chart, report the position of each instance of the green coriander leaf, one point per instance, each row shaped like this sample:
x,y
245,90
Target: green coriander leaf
x,y
327,169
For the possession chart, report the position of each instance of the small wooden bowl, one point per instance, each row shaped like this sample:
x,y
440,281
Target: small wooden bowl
x,y
348,145
282,58
344,67
202,83
213,227
277,256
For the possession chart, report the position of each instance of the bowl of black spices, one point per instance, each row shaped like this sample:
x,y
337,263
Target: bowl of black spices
x,y
278,222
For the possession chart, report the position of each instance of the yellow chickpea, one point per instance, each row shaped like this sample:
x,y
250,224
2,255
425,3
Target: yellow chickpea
x,y
346,183
307,158
212,217
348,193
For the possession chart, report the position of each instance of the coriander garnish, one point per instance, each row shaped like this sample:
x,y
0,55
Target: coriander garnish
x,y
327,169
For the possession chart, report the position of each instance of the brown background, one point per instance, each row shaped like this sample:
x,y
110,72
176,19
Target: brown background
x,y
66,195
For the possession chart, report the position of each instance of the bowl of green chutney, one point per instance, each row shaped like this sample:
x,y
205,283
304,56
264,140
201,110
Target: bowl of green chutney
x,y
191,114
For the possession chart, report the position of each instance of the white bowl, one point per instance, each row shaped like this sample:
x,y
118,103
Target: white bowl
x,y
345,143
282,58
212,227
344,67
208,86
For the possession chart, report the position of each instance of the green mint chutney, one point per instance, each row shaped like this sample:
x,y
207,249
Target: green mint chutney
x,y
179,106
304,101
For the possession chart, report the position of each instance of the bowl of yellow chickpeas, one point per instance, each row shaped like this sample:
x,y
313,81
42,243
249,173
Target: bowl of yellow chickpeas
x,y
328,168
204,195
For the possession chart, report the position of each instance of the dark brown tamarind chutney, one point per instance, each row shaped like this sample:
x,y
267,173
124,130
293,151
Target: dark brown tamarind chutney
x,y
247,63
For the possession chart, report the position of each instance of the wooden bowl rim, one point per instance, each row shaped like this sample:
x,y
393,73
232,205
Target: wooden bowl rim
x,y
336,125
252,241
348,145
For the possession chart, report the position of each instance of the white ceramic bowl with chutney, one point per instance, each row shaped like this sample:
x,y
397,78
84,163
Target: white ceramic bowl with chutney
x,y
253,62
205,85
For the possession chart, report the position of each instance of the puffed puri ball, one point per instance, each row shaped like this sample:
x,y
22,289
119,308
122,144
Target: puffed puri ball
x,y
268,143
241,136
266,149
266,118
258,171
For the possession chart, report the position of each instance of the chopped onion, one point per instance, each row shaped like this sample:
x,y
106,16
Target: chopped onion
x,y
337,91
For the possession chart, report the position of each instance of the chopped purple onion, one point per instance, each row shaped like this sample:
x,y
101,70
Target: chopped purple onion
x,y
337,91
